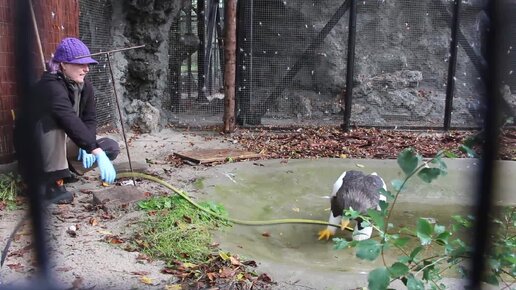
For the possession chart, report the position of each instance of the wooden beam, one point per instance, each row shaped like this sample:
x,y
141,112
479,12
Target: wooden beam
x,y
230,66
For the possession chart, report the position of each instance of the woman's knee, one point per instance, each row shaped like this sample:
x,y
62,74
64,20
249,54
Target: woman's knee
x,y
109,146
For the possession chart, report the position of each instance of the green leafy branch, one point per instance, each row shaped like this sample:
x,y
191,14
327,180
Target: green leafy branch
x,y
414,267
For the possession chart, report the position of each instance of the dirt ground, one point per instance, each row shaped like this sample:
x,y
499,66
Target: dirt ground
x,y
86,249
90,256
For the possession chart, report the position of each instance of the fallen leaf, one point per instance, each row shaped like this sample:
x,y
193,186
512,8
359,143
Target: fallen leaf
x,y
173,287
93,221
140,273
360,165
141,243
168,271
212,276
146,280
296,209
266,234
107,216
189,265
234,261
16,267
143,257
114,239
20,252
187,219
224,256
226,272
250,263
264,277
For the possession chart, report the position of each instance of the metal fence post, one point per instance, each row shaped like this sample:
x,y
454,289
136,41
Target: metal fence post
x,y
487,172
452,65
201,73
350,63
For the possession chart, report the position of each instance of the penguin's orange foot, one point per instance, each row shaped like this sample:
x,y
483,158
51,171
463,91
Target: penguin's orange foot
x,y
325,234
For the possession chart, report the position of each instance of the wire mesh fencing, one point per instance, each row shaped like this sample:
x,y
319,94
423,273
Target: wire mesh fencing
x,y
95,32
197,63
292,63
400,72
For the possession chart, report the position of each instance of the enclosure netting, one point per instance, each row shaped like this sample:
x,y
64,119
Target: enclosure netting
x,y
196,79
292,61
400,72
95,32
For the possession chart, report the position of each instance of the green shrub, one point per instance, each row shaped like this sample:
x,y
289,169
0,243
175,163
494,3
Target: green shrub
x,y
9,188
415,267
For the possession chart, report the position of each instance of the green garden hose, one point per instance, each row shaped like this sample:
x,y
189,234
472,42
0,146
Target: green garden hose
x,y
233,220
185,196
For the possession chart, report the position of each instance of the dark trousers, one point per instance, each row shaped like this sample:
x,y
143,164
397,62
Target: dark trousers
x,y
60,155
109,146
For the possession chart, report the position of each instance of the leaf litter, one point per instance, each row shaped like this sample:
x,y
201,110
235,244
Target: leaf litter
x,y
363,142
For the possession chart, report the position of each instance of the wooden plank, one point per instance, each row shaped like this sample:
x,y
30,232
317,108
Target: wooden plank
x,y
215,155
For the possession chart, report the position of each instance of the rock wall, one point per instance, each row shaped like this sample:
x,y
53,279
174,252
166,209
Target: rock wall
x,y
143,73
395,42
401,61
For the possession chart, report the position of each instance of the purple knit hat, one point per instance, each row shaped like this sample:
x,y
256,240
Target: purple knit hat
x,y
69,49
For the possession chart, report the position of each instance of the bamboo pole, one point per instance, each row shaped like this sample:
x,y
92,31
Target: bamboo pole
x,y
36,32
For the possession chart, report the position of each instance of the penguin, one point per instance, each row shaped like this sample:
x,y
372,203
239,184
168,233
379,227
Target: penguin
x,y
356,190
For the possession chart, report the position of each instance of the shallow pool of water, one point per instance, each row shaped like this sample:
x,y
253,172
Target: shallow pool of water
x,y
276,189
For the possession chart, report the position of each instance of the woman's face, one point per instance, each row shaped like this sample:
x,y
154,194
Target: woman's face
x,y
76,72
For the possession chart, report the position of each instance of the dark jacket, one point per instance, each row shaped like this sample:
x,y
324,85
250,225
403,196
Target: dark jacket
x,y
55,109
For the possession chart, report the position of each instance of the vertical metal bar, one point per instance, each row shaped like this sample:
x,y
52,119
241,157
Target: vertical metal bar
x,y
120,115
211,26
220,43
487,172
250,75
452,65
211,81
33,175
243,59
189,59
201,73
350,64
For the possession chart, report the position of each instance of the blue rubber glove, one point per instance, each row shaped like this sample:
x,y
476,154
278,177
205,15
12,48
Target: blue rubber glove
x,y
107,171
87,159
